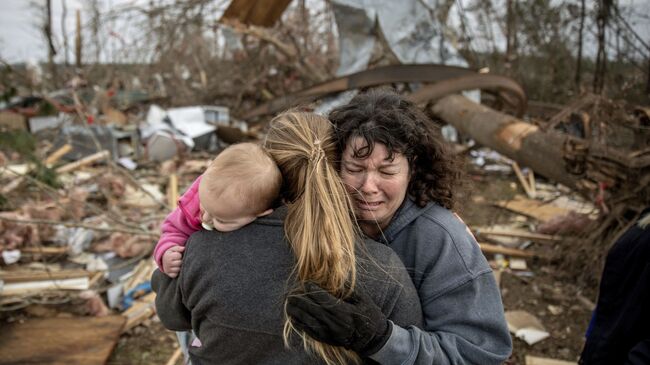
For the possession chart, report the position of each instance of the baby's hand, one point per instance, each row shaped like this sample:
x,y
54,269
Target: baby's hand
x,y
171,261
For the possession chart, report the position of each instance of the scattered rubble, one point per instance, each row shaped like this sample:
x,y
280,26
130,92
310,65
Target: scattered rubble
x,y
88,173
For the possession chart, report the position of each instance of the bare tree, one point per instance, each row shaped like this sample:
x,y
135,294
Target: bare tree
x,y
64,32
580,37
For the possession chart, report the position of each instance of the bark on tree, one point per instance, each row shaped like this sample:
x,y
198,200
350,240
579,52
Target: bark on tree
x,y
78,40
585,166
580,35
64,32
47,30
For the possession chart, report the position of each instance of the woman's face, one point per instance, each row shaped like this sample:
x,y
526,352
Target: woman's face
x,y
376,183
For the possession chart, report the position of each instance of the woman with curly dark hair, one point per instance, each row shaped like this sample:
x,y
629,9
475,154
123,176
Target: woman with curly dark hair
x,y
401,177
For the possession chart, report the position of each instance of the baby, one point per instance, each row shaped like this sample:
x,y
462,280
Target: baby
x,y
240,184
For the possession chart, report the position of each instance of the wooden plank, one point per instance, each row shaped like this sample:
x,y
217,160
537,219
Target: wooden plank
x,y
517,234
56,155
533,208
19,276
140,311
175,356
534,360
141,273
11,121
172,191
90,159
488,248
43,250
42,285
60,341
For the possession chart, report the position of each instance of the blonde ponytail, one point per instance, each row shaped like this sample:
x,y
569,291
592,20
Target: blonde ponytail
x,y
319,225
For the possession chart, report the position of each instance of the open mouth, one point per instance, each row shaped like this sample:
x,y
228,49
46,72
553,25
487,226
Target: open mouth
x,y
366,205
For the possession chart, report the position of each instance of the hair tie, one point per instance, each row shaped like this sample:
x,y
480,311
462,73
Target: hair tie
x,y
316,152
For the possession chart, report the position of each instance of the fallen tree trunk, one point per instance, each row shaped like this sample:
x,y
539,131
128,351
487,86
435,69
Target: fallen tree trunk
x,y
617,180
586,166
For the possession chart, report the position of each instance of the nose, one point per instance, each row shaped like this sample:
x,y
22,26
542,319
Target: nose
x,y
369,184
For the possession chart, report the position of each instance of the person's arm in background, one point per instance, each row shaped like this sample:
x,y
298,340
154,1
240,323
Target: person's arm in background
x,y
180,223
169,302
640,354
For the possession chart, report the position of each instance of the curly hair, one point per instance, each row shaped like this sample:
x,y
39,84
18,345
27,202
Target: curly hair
x,y
382,116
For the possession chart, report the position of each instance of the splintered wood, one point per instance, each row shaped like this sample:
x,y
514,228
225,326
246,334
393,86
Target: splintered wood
x,y
140,311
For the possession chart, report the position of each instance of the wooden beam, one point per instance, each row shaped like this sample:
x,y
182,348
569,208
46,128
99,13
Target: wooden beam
x,y
88,160
488,248
56,155
20,276
517,234
172,191
19,288
141,310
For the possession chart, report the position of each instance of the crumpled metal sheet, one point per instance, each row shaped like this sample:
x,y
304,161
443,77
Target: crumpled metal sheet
x,y
407,26
356,27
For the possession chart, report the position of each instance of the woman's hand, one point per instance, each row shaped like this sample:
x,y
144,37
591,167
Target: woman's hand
x,y
355,323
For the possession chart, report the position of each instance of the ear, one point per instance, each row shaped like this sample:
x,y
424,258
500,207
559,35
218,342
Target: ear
x,y
265,213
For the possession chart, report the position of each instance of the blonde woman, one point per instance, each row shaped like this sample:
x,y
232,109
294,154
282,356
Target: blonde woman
x,y
233,286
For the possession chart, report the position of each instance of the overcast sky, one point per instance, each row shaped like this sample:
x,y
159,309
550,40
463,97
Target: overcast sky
x,y
21,41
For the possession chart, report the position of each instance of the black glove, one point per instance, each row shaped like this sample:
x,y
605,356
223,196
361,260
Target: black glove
x,y
355,323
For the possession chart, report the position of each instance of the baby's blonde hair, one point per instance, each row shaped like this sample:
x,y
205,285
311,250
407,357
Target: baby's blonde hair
x,y
319,226
247,172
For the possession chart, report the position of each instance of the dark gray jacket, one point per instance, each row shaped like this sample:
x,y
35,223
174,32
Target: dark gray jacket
x,y
232,287
463,313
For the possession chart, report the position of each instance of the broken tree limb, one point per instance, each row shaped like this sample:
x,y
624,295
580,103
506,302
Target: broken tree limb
x,y
55,156
508,89
577,163
531,182
522,180
368,78
509,136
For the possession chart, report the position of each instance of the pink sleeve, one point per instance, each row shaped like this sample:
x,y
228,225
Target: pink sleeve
x,y
180,223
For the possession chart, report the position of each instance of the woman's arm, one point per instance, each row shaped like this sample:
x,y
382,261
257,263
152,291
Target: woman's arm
x,y
463,313
460,329
169,302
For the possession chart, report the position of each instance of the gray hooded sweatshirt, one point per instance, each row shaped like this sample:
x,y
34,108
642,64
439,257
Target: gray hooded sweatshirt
x,y
463,314
232,287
